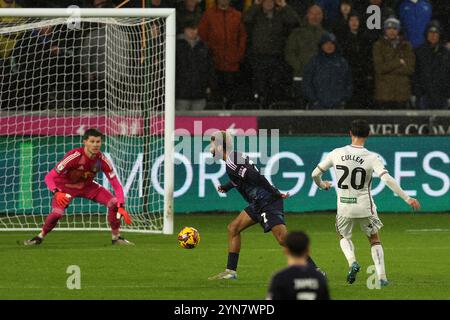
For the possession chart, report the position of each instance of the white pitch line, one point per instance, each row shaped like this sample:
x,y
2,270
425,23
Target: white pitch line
x,y
428,230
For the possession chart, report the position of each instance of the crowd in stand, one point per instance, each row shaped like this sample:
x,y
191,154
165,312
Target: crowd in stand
x,y
313,54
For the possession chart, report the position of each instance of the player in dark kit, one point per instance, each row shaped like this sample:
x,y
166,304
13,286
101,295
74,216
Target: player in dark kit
x,y
74,176
299,281
265,201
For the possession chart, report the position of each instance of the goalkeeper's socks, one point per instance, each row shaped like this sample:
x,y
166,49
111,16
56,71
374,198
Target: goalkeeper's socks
x,y
232,261
51,221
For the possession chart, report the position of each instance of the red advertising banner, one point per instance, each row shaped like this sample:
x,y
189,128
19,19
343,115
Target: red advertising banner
x,y
116,125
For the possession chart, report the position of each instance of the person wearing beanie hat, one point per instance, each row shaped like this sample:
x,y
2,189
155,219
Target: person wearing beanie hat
x,y
327,77
441,12
394,63
391,23
386,12
327,37
432,76
415,15
433,26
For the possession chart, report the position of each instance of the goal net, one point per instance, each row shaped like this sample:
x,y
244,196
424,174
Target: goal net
x,y
64,71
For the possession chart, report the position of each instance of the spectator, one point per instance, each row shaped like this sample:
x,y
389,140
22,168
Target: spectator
x,y
414,16
328,80
36,57
441,13
160,4
330,9
209,3
7,44
432,85
300,6
357,51
297,54
269,23
187,10
386,12
221,28
241,5
394,63
92,55
340,25
194,68
387,7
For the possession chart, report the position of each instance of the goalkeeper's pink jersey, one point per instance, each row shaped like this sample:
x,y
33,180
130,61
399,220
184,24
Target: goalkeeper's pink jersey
x,y
77,171
75,174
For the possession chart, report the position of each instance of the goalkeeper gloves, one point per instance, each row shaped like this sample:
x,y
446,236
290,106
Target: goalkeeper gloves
x,y
121,212
62,199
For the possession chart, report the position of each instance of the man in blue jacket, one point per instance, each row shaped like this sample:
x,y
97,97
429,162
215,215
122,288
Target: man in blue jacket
x,y
415,16
327,76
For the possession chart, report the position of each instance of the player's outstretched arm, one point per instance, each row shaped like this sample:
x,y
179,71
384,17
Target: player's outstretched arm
x,y
393,185
317,177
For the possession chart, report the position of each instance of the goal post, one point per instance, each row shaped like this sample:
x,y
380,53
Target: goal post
x,y
63,71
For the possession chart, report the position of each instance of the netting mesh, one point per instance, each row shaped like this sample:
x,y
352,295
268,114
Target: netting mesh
x,y
57,80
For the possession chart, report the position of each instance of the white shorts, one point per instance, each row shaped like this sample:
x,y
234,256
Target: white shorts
x,y
369,225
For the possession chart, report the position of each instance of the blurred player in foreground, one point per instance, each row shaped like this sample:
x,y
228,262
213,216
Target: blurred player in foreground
x,y
265,201
299,281
74,177
354,166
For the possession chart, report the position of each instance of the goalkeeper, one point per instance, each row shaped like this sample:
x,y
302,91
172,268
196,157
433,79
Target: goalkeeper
x,y
74,177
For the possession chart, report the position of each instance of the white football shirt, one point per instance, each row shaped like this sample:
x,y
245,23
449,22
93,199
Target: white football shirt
x,y
354,167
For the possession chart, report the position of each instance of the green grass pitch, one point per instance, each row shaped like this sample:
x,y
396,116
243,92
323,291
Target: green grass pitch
x,y
416,246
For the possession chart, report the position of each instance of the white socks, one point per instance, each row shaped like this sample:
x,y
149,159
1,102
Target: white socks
x,y
349,250
41,235
378,259
377,256
115,236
